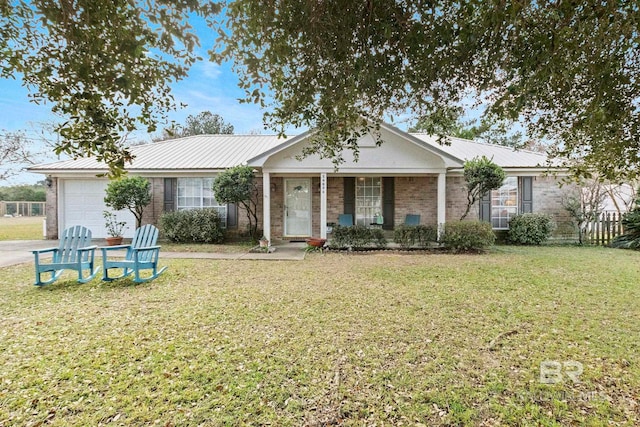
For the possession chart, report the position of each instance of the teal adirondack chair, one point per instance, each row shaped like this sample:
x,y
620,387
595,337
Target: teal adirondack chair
x,y
141,254
412,219
73,253
345,220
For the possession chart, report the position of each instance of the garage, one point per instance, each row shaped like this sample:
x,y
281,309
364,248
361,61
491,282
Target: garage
x,y
82,204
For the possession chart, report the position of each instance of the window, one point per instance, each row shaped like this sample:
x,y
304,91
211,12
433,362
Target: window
x,y
504,203
368,200
197,193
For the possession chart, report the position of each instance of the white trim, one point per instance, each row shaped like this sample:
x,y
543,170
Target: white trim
x,y
266,205
323,205
442,202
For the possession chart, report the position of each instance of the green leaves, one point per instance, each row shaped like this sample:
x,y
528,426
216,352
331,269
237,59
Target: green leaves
x,y
569,73
105,67
481,176
238,185
132,193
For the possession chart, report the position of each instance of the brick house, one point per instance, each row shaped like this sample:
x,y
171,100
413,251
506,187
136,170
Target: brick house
x,y
407,174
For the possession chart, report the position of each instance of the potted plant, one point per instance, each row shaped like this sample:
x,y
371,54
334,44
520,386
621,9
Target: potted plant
x,y
114,228
264,242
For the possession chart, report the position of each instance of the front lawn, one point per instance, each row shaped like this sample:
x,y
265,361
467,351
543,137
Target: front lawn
x,y
338,339
21,228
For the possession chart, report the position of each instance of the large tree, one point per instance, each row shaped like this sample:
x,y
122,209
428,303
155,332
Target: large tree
x,y
104,66
482,129
569,70
204,123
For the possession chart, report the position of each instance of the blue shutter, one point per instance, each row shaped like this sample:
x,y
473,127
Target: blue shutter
x,y
485,207
349,198
170,194
388,202
232,215
526,194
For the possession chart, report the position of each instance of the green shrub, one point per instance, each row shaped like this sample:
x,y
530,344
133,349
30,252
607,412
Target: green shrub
x,y
630,239
193,226
410,235
530,229
467,236
357,237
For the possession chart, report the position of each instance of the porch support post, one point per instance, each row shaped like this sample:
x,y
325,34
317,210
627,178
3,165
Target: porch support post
x,y
442,202
266,205
323,205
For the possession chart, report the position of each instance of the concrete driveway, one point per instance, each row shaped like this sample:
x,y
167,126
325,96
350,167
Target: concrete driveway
x,y
19,251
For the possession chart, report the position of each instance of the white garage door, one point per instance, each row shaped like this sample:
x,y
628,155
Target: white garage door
x,y
82,203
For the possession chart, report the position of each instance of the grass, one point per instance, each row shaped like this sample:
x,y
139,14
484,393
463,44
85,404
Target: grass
x,y
239,247
338,339
21,228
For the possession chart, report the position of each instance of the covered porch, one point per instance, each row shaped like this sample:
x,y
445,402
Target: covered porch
x,y
304,205
303,195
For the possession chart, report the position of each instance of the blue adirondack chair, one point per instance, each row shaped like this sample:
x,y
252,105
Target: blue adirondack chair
x,y
141,254
412,219
73,253
345,220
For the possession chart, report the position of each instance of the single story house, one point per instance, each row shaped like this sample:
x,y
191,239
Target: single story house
x,y
407,174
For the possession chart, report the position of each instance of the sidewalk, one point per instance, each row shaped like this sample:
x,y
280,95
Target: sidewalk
x,y
14,252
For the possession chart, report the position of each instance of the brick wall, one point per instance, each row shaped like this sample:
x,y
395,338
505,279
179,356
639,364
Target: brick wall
x,y
51,210
547,198
152,212
457,200
416,195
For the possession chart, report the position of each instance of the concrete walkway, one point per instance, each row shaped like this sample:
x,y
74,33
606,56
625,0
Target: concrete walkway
x,y
14,252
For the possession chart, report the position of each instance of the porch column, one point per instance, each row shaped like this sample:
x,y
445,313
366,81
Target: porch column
x,y
442,202
323,205
266,205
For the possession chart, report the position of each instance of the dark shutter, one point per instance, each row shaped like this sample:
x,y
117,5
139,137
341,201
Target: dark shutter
x,y
388,202
170,194
526,194
232,215
485,207
349,196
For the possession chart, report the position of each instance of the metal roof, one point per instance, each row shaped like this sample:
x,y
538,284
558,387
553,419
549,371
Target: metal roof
x,y
218,152
506,157
191,152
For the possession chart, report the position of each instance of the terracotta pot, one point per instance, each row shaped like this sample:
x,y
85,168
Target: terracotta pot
x,y
316,242
113,241
264,243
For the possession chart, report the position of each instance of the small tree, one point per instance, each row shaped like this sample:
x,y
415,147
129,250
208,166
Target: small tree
x,y
481,175
133,193
584,203
238,185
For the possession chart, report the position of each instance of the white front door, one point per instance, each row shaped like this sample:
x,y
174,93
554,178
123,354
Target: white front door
x,y
297,207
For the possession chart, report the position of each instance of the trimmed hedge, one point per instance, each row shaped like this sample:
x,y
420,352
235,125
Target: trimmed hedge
x,y
530,229
193,226
465,236
357,237
411,235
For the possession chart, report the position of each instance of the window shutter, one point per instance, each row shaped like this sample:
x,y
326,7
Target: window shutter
x,y
349,196
232,215
388,202
526,194
485,207
170,194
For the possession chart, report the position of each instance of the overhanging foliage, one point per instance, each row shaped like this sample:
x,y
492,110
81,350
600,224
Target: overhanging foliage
x,y
569,71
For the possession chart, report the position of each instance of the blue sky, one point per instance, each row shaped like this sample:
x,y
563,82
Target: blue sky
x,y
208,87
